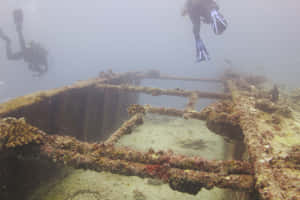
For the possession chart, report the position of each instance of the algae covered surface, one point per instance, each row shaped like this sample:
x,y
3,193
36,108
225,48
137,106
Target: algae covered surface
x,y
188,137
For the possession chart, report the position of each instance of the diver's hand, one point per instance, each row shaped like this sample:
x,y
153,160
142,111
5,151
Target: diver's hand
x,y
202,53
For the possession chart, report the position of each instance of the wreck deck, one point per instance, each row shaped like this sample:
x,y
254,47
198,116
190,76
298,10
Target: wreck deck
x,y
270,132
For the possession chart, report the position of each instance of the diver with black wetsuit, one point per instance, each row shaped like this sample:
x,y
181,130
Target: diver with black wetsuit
x,y
35,55
206,11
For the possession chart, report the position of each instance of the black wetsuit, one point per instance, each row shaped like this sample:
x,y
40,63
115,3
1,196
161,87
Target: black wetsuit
x,y
18,55
199,10
35,57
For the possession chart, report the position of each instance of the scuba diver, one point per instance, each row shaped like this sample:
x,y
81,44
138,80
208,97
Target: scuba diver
x,y
206,11
35,55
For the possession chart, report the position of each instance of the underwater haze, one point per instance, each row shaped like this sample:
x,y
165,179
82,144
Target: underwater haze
x,y
83,38
86,37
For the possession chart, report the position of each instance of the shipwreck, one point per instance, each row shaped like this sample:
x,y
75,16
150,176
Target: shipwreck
x,y
79,125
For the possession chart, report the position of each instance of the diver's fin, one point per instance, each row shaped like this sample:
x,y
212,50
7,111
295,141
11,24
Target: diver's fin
x,y
219,24
202,53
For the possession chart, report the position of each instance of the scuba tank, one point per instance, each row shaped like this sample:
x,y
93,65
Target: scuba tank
x,y
36,53
36,56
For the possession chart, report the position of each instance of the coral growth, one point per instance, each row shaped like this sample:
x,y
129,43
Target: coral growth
x,y
266,105
126,128
270,107
16,133
135,108
159,171
152,74
275,177
294,156
221,118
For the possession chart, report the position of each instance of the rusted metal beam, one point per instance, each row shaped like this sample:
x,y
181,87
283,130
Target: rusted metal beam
x,y
176,161
193,98
192,181
13,131
164,111
273,181
175,112
102,157
169,175
126,128
166,77
25,101
136,108
158,92
37,97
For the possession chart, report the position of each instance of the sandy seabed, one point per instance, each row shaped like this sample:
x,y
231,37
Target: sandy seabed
x,y
188,137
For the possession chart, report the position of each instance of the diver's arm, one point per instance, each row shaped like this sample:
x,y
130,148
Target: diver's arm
x,y
18,19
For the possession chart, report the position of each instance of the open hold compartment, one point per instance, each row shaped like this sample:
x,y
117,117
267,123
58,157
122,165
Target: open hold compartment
x,y
87,113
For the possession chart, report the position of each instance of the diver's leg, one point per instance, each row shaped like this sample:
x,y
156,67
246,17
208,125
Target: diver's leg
x,y
9,54
40,69
3,36
12,56
196,29
201,52
218,22
196,25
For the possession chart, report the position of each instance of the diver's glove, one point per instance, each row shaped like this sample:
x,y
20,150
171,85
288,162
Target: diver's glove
x,y
202,53
219,24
